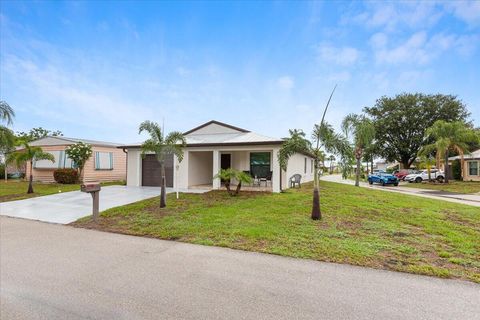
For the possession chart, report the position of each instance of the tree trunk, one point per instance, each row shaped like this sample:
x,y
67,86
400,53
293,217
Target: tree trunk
x,y
316,213
30,182
446,166
239,186
357,175
6,170
462,165
163,194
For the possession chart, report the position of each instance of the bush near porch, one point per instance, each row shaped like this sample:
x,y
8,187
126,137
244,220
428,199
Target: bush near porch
x,y
359,226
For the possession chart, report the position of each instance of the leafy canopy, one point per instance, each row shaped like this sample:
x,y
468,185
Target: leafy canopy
x,y
29,153
401,121
79,153
173,143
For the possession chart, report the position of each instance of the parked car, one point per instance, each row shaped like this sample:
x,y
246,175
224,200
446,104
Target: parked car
x,y
401,174
420,176
383,178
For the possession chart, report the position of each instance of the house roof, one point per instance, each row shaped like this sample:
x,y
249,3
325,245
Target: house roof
x,y
221,134
61,140
473,155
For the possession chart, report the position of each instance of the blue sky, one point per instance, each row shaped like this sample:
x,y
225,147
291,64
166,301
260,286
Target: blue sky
x,y
97,69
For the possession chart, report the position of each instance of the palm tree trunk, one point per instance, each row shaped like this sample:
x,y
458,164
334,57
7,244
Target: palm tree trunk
x,y
239,186
446,166
30,182
316,212
357,176
6,171
163,196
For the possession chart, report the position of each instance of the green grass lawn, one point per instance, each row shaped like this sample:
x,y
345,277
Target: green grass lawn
x,y
451,186
17,189
361,227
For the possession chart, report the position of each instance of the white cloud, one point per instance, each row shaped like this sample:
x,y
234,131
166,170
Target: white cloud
x,y
344,56
286,82
468,11
419,48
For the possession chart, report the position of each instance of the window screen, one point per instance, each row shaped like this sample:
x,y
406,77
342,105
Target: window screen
x,y
103,160
473,168
260,164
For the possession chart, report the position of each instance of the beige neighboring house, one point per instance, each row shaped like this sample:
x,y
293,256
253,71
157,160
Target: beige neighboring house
x,y
107,163
471,165
213,146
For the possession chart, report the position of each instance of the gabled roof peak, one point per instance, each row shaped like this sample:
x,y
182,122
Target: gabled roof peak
x,y
216,123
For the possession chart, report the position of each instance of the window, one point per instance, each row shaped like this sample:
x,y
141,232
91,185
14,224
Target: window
x,y
61,161
473,168
305,166
260,164
103,160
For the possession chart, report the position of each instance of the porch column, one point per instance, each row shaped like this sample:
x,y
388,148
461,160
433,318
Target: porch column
x,y
216,168
275,171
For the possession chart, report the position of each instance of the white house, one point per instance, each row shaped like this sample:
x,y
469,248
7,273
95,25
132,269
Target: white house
x,y
213,146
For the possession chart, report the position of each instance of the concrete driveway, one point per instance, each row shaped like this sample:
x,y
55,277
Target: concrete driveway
x,y
67,207
50,271
468,199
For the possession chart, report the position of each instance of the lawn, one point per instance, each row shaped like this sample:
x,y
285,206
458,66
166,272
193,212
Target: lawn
x,y
451,186
360,226
17,189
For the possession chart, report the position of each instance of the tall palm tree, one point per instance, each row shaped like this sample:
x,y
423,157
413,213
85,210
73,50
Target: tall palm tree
x,y
449,136
363,133
296,143
426,162
7,138
29,154
331,158
161,145
6,112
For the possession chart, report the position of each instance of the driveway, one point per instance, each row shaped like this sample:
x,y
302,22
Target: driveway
x,y
67,207
50,271
468,199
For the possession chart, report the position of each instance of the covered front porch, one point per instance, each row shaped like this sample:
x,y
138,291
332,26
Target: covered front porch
x,y
202,165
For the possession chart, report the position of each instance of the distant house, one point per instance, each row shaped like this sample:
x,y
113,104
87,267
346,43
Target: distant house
x,y
471,166
107,163
213,146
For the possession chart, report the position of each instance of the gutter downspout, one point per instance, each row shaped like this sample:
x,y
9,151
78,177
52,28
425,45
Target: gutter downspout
x,y
126,165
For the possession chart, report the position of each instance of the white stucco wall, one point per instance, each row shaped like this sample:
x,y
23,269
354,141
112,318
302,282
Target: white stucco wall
x,y
296,164
134,167
200,168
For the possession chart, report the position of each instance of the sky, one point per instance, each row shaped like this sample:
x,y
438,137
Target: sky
x,y
96,70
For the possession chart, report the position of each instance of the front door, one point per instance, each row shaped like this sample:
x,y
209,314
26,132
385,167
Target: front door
x,y
225,162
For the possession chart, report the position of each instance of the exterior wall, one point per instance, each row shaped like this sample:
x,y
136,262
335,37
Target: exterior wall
x,y
134,167
90,173
467,176
200,168
296,165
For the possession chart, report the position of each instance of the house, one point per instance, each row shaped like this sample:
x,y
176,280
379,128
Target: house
x,y
107,163
471,167
213,146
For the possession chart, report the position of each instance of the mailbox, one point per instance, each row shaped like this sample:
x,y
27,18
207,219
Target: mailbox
x,y
90,187
94,189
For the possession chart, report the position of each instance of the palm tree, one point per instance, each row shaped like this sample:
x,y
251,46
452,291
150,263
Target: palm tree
x,y
173,143
363,133
29,154
6,112
230,174
7,138
449,136
294,144
426,162
331,158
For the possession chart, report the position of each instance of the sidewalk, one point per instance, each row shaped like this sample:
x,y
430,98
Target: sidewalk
x,y
468,199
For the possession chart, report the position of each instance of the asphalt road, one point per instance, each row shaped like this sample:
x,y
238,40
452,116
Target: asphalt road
x,y
52,271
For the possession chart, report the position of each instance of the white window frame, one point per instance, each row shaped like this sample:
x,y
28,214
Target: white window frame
x,y
97,160
468,167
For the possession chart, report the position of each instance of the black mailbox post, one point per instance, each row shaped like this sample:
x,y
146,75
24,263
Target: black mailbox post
x,y
94,189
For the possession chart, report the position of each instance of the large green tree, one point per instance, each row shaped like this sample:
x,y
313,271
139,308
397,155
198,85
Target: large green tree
x,y
38,133
161,146
401,121
362,131
29,154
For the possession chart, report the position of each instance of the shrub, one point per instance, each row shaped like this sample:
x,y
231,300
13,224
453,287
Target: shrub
x,y
456,170
65,176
